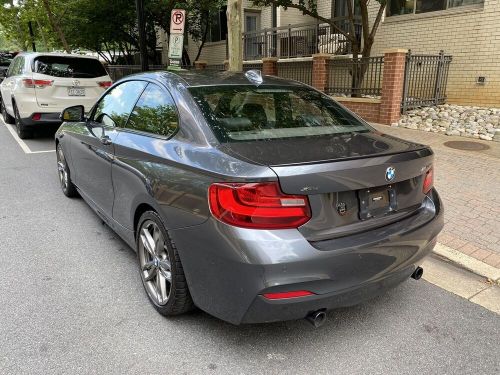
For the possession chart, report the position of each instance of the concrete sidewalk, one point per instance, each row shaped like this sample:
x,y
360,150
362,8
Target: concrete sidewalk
x,y
469,184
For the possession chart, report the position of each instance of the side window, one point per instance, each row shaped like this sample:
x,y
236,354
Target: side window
x,y
115,107
155,112
13,66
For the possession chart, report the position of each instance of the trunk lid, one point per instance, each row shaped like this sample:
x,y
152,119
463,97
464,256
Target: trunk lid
x,y
345,178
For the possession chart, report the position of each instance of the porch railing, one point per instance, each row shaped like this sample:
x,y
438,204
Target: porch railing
x,y
300,40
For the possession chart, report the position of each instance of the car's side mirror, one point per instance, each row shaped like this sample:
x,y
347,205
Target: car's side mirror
x,y
75,113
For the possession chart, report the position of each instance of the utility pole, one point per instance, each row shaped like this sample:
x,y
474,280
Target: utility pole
x,y
234,35
142,35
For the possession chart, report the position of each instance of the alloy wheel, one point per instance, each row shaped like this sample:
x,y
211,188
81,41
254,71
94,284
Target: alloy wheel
x,y
62,169
155,263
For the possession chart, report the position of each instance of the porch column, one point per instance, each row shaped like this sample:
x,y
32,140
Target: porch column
x,y
320,71
270,66
392,85
200,64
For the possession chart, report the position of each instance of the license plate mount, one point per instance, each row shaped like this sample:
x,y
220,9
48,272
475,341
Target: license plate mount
x,y
76,91
377,202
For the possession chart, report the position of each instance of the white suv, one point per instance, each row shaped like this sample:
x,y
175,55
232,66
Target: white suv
x,y
38,86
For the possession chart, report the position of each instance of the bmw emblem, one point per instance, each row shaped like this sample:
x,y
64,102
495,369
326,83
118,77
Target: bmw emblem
x,y
390,174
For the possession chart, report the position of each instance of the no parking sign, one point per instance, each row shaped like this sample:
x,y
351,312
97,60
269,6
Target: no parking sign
x,y
176,41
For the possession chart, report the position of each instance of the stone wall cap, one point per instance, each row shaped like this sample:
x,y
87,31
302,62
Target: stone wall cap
x,y
322,55
272,59
356,100
396,50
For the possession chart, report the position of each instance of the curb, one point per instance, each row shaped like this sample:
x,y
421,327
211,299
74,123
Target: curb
x,y
467,262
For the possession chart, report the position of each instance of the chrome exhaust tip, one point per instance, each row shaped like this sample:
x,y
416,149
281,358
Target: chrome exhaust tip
x,y
317,318
417,274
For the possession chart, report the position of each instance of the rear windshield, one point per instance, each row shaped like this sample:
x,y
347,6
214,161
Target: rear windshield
x,y
72,67
248,113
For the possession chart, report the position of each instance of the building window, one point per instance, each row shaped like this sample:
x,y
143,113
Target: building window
x,y
398,7
218,26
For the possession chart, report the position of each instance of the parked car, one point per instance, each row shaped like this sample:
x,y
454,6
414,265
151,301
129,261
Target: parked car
x,y
38,86
4,65
256,199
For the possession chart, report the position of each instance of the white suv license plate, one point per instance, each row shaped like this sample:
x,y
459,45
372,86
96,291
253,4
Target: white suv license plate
x,y
76,91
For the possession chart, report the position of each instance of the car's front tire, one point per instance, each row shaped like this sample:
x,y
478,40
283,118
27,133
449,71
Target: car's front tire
x,y
67,186
160,267
8,119
22,132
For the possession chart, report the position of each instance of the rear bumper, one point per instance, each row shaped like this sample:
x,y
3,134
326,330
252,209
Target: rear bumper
x,y
46,119
228,269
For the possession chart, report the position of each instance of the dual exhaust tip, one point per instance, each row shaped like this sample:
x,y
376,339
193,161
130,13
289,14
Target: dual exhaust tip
x,y
318,318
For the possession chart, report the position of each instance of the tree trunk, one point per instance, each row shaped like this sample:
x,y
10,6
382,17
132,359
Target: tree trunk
x,y
203,40
55,26
234,35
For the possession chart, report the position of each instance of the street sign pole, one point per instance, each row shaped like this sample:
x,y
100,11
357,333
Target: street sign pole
x,y
176,40
142,35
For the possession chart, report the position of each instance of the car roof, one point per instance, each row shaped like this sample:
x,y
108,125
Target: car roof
x,y
59,54
194,78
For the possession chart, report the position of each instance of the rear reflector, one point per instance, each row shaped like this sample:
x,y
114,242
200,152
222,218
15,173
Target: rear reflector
x,y
285,295
428,180
38,83
105,84
257,205
36,116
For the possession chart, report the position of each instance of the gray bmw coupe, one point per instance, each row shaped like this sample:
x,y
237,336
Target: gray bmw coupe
x,y
256,199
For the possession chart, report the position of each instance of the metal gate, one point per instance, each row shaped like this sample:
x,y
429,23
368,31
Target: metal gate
x,y
425,80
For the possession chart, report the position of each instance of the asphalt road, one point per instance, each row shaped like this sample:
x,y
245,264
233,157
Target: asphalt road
x,y
71,301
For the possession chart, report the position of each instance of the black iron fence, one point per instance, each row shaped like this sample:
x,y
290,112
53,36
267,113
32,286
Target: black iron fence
x,y
299,40
119,71
215,67
426,77
355,77
297,70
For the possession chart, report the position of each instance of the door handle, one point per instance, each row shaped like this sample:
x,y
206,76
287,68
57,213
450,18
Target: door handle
x,y
106,140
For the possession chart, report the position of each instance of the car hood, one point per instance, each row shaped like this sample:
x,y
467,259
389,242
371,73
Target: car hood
x,y
318,149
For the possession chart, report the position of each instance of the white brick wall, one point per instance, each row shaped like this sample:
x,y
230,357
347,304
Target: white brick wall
x,y
470,34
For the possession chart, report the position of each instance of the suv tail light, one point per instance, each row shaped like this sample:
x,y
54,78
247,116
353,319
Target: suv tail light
x,y
105,84
37,83
257,205
428,180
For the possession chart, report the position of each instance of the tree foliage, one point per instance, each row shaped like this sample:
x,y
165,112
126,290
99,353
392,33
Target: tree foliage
x,y
107,27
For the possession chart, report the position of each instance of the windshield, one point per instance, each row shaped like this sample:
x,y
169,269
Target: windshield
x,y
70,67
246,113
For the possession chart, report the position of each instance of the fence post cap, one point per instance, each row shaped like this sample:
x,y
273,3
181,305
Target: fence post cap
x,y
322,55
396,50
271,59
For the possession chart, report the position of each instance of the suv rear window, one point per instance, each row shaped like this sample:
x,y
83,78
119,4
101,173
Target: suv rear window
x,y
71,67
246,113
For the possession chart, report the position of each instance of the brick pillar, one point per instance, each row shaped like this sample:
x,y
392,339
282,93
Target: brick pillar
x,y
320,71
270,66
200,64
392,85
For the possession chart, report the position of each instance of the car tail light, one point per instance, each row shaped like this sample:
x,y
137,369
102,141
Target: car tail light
x,y
105,84
258,205
428,180
38,83
285,295
36,116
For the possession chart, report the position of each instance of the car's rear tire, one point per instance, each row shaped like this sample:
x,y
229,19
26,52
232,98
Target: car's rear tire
x,y
67,186
8,119
21,129
160,267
